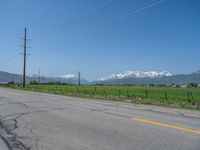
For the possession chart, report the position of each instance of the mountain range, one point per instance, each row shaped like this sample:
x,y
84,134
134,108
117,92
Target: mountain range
x,y
151,77
17,78
127,77
136,74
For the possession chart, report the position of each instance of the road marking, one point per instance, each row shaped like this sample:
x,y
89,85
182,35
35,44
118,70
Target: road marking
x,y
167,125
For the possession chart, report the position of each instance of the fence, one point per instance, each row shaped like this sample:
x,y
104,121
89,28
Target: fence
x,y
150,95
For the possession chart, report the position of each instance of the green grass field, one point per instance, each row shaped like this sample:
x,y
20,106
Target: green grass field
x,y
165,96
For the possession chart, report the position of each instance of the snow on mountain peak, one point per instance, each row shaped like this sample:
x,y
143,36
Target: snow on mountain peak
x,y
136,74
67,76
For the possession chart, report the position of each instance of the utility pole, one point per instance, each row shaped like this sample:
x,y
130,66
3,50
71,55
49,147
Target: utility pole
x,y
79,80
39,76
24,70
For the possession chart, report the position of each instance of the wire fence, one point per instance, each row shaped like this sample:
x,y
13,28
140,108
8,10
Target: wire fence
x,y
148,95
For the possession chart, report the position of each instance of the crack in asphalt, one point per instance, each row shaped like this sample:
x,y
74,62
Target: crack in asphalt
x,y
10,137
9,123
36,139
7,102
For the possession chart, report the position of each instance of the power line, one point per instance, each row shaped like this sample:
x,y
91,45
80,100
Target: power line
x,y
8,51
42,18
6,59
127,13
91,12
11,60
94,10
133,11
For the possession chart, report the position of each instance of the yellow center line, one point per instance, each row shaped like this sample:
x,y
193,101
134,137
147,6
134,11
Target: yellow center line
x,y
167,125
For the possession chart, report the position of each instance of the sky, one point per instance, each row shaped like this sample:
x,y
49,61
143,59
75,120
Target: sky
x,y
100,37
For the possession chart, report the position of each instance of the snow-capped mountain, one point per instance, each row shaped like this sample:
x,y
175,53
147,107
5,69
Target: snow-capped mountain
x,y
197,72
67,76
34,75
136,74
125,78
70,78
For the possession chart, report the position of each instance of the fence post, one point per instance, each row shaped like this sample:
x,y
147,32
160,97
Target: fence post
x,y
70,90
55,89
193,100
104,93
66,89
188,95
127,94
166,98
147,94
95,90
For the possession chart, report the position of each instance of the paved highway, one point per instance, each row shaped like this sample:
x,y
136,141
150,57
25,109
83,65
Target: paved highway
x,y
36,121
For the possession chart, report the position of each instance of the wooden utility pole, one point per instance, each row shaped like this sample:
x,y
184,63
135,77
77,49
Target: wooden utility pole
x,y
24,69
39,76
79,80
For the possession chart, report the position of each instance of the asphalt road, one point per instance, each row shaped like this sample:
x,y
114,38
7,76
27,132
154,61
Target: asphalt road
x,y
36,121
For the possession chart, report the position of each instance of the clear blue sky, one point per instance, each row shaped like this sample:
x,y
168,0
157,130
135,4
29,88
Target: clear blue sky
x,y
98,38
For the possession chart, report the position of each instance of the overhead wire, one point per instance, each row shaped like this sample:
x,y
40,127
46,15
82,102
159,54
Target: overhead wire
x,y
127,13
91,12
99,7
10,56
9,51
10,60
133,11
42,18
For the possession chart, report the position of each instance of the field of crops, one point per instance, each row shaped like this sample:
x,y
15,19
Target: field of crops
x,y
166,96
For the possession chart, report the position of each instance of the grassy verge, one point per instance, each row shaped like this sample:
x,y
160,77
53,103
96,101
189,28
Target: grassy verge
x,y
165,96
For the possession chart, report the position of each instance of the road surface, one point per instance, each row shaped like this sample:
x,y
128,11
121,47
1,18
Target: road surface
x,y
36,121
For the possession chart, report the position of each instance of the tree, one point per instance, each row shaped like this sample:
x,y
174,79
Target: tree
x,y
193,85
34,82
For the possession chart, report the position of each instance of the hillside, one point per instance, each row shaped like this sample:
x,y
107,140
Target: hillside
x,y
71,79
149,78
